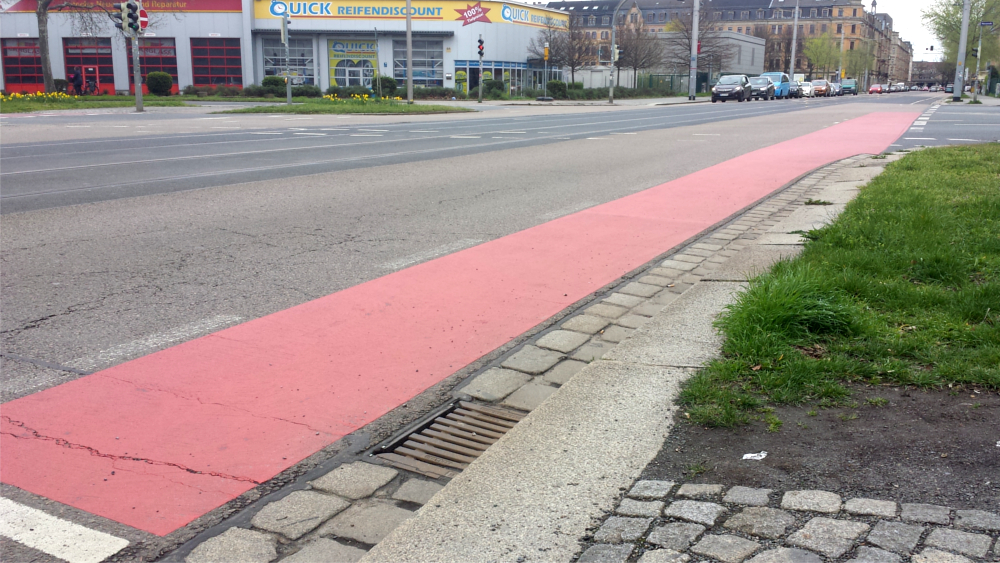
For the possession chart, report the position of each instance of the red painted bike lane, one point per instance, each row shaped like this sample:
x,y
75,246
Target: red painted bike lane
x,y
190,428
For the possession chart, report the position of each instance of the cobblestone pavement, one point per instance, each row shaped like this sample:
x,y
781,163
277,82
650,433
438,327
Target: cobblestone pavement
x,y
341,515
657,522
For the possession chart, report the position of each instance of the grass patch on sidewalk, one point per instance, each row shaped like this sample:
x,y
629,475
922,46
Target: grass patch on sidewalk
x,y
902,289
347,106
24,103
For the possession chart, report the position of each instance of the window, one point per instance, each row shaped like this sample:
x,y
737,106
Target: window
x,y
606,20
840,28
621,19
93,56
731,15
663,16
216,60
22,63
301,61
774,29
744,15
650,17
428,62
156,54
604,35
840,12
781,28
823,28
812,29
826,12
716,15
854,29
852,45
592,21
812,13
729,29
760,14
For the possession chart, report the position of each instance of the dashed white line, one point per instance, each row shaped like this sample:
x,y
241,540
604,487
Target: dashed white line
x,y
366,135
465,137
55,536
429,131
919,139
267,133
966,140
312,134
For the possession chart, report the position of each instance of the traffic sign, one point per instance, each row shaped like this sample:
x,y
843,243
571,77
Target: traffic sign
x,y
143,19
987,24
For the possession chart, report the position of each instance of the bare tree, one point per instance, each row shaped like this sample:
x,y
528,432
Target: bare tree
x,y
640,50
676,45
777,47
577,47
554,36
88,15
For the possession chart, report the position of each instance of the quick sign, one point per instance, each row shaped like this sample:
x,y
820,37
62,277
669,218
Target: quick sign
x,y
483,11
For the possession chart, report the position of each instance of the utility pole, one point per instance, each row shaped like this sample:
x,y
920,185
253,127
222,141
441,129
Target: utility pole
x,y
962,44
137,74
795,41
288,70
979,54
614,52
840,71
693,74
409,54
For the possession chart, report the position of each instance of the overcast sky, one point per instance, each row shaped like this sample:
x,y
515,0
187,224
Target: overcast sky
x,y
907,20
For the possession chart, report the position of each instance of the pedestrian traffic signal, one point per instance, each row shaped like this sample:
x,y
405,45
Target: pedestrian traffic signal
x,y
480,47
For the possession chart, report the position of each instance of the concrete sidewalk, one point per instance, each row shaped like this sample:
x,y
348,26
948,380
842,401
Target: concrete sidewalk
x,y
535,494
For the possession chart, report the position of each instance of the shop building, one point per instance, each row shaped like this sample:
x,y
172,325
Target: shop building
x,y
237,42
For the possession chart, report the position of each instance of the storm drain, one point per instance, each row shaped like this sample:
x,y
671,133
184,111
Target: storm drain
x,y
451,440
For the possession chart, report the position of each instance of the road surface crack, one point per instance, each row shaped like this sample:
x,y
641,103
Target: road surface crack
x,y
35,435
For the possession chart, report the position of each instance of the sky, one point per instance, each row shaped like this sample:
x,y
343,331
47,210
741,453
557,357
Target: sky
x,y
908,21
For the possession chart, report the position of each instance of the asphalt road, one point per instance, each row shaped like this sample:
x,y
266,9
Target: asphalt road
x,y
954,124
233,225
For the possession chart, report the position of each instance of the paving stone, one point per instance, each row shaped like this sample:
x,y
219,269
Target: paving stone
x,y
688,258
562,340
748,496
618,529
871,507
678,265
762,522
694,490
977,520
417,490
631,321
929,513
786,555
648,309
895,536
606,310
677,288
667,296
235,544
495,383
664,556
623,300
563,371
656,280
931,555
368,523
813,501
707,246
874,555
532,360
324,550
664,272
616,333
694,511
675,535
528,397
604,553
752,261
641,289
587,324
298,513
355,480
830,537
651,489
965,543
592,351
731,549
632,507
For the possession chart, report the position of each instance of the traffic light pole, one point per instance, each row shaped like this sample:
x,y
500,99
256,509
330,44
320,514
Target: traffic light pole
x,y
693,73
138,73
288,77
480,68
614,49
795,42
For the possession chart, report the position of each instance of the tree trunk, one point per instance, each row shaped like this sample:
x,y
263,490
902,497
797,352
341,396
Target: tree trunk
x,y
42,13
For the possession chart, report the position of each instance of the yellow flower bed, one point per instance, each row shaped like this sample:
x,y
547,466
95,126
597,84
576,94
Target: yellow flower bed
x,y
361,99
38,97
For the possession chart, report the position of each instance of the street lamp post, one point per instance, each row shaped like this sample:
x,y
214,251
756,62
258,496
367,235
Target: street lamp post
x,y
614,26
693,74
409,53
795,41
979,54
962,44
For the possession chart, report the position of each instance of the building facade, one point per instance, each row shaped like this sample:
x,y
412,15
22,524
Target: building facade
x,y
237,42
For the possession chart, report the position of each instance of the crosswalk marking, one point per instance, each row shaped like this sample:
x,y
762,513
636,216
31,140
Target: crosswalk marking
x,y
55,536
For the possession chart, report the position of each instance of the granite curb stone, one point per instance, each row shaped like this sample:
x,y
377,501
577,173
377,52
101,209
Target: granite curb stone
x,y
355,480
495,383
322,549
692,490
870,507
632,507
562,340
931,555
676,535
975,545
926,513
811,501
830,537
896,536
763,522
366,523
532,360
607,554
664,556
417,491
874,555
977,520
730,549
298,513
748,496
694,511
648,490
786,555
237,544
619,529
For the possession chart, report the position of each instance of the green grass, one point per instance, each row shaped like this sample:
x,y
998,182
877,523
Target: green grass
x,y
314,106
903,289
90,102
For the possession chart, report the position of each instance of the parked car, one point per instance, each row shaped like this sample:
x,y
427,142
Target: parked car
x,y
822,88
935,89
808,90
794,90
949,89
837,90
925,89
850,86
732,87
761,88
782,84
875,89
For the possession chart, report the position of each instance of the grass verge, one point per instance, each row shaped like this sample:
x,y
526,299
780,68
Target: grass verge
x,y
344,107
18,106
903,289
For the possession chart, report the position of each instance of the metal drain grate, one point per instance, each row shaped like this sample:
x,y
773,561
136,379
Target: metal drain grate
x,y
449,442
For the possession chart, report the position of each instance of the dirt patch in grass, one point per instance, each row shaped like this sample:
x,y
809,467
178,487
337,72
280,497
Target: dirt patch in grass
x,y
907,445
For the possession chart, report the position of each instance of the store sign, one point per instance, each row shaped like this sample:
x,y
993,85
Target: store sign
x,y
353,62
432,10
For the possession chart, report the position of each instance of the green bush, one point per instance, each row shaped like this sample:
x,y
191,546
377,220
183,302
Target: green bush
x,y
159,83
227,91
61,85
274,85
491,86
557,89
439,93
575,85
307,91
254,91
190,90
388,83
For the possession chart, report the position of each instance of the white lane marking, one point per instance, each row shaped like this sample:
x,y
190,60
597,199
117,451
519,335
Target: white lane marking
x,y
966,140
55,536
513,132
596,138
226,127
142,346
210,118
919,139
334,129
299,119
465,137
567,210
624,133
267,133
432,253
297,129
365,135
429,131
75,126
375,130
313,134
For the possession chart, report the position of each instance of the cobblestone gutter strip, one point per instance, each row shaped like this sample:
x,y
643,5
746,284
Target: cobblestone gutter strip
x,y
497,509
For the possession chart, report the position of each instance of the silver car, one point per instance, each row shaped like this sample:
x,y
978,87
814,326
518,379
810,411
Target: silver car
x,y
808,90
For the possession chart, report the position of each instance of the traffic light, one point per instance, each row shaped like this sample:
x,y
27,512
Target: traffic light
x,y
120,17
132,14
285,22
615,52
480,47
975,53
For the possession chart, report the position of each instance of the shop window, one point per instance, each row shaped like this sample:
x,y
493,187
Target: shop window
x,y
156,54
92,55
301,61
22,65
216,60
428,62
